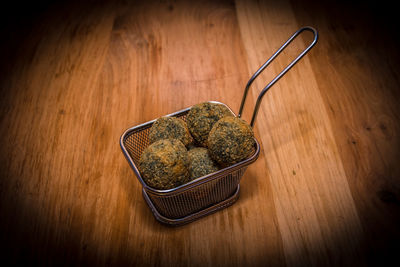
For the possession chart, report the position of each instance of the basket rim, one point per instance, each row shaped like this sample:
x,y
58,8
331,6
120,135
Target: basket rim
x,y
196,182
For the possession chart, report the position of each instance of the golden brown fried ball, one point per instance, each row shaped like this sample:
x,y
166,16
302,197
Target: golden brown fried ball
x,y
230,140
202,117
164,164
170,128
200,163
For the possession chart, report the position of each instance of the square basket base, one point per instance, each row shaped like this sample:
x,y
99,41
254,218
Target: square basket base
x,y
194,216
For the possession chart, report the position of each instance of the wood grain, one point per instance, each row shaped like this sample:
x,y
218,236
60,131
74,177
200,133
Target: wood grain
x,y
325,190
296,140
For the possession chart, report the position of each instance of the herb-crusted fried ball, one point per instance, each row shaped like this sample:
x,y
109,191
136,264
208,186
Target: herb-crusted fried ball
x,y
200,163
170,128
230,141
202,117
164,164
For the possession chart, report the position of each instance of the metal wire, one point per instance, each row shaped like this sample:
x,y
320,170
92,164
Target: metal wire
x,y
204,193
288,67
209,193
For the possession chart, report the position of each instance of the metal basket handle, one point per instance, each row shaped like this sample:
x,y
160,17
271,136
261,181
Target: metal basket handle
x,y
288,67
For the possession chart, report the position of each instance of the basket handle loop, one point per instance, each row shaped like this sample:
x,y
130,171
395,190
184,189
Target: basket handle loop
x,y
288,67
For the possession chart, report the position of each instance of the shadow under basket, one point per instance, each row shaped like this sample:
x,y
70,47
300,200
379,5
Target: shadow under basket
x,y
192,200
212,192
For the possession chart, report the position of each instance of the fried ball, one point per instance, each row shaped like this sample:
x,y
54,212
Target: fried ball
x,y
230,140
170,128
164,164
202,117
200,163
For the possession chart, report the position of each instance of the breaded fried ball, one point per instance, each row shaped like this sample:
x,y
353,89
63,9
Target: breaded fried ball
x,y
200,163
164,164
170,128
202,117
230,140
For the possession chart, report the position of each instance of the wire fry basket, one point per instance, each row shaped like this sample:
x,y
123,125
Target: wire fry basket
x,y
212,192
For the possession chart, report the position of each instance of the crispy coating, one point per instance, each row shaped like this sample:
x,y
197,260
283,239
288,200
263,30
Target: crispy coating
x,y
230,141
202,117
200,163
164,164
170,128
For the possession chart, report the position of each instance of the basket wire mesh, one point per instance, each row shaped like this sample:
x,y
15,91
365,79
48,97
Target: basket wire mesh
x,y
192,197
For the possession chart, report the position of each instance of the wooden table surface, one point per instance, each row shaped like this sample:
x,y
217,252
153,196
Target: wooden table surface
x,y
325,190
